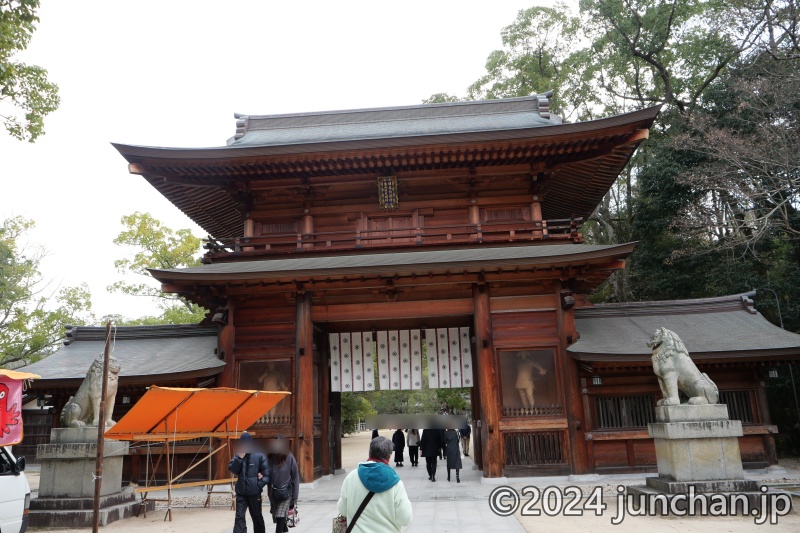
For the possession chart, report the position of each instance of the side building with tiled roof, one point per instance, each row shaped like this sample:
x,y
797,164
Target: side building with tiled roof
x,y
726,337
165,355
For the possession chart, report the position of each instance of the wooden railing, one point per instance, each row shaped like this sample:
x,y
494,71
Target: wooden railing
x,y
536,230
535,448
616,412
536,410
268,420
739,405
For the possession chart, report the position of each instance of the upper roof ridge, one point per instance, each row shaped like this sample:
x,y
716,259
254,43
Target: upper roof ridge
x,y
731,302
160,331
538,104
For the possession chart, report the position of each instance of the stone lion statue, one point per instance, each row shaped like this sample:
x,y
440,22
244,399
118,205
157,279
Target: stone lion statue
x,y
83,409
676,371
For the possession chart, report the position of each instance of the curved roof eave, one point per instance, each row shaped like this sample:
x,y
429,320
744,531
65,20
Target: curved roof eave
x,y
472,259
134,153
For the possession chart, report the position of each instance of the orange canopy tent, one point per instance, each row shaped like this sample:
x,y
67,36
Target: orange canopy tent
x,y
170,415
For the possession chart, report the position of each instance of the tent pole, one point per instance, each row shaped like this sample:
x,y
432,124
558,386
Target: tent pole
x,y
169,475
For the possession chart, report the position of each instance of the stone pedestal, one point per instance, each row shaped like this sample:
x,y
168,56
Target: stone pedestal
x,y
697,443
68,464
66,483
697,448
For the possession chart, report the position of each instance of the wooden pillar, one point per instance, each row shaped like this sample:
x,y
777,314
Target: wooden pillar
x,y
325,406
304,389
249,231
226,340
770,449
492,441
307,229
578,450
536,215
336,415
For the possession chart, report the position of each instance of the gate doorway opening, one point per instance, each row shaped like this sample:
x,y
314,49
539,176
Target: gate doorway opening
x,y
400,367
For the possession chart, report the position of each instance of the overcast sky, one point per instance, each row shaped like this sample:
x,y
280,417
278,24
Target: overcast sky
x,y
172,73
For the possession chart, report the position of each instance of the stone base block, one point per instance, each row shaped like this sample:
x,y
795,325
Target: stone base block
x,y
53,513
72,435
661,503
701,487
691,413
699,459
68,464
73,504
707,429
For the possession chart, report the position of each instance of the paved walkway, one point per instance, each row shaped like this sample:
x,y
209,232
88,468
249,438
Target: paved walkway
x,y
439,507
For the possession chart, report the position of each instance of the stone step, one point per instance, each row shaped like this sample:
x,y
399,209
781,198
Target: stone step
x,y
75,504
83,518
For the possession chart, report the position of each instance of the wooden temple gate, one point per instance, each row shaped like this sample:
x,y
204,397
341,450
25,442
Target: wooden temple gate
x,y
461,218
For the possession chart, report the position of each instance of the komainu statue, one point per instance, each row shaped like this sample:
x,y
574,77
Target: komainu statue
x,y
676,371
83,409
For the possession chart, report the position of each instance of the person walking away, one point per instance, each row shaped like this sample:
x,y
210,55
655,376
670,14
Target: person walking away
x,y
441,437
375,434
388,507
252,471
453,453
284,486
431,446
412,439
399,441
466,432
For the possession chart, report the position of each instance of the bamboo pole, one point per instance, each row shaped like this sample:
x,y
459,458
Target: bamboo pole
x,y
101,426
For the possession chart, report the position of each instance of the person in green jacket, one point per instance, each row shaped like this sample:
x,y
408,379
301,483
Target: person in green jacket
x,y
389,509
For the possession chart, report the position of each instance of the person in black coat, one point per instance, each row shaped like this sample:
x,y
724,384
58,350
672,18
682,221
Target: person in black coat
x,y
375,434
252,471
399,441
466,432
453,453
430,446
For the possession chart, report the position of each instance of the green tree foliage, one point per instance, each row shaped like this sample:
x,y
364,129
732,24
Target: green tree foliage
x,y
32,312
441,98
157,247
541,52
26,95
614,56
355,408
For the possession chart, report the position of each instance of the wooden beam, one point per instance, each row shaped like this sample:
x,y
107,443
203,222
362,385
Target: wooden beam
x,y
360,283
140,490
226,341
136,168
491,437
638,136
269,212
304,396
391,310
532,424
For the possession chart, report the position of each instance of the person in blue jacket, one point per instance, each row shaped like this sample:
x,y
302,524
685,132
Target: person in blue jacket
x,y
252,471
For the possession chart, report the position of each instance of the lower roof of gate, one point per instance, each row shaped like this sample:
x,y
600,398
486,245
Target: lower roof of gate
x,y
398,263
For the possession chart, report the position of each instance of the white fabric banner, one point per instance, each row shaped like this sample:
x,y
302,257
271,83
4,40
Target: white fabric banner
x,y
383,360
399,356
